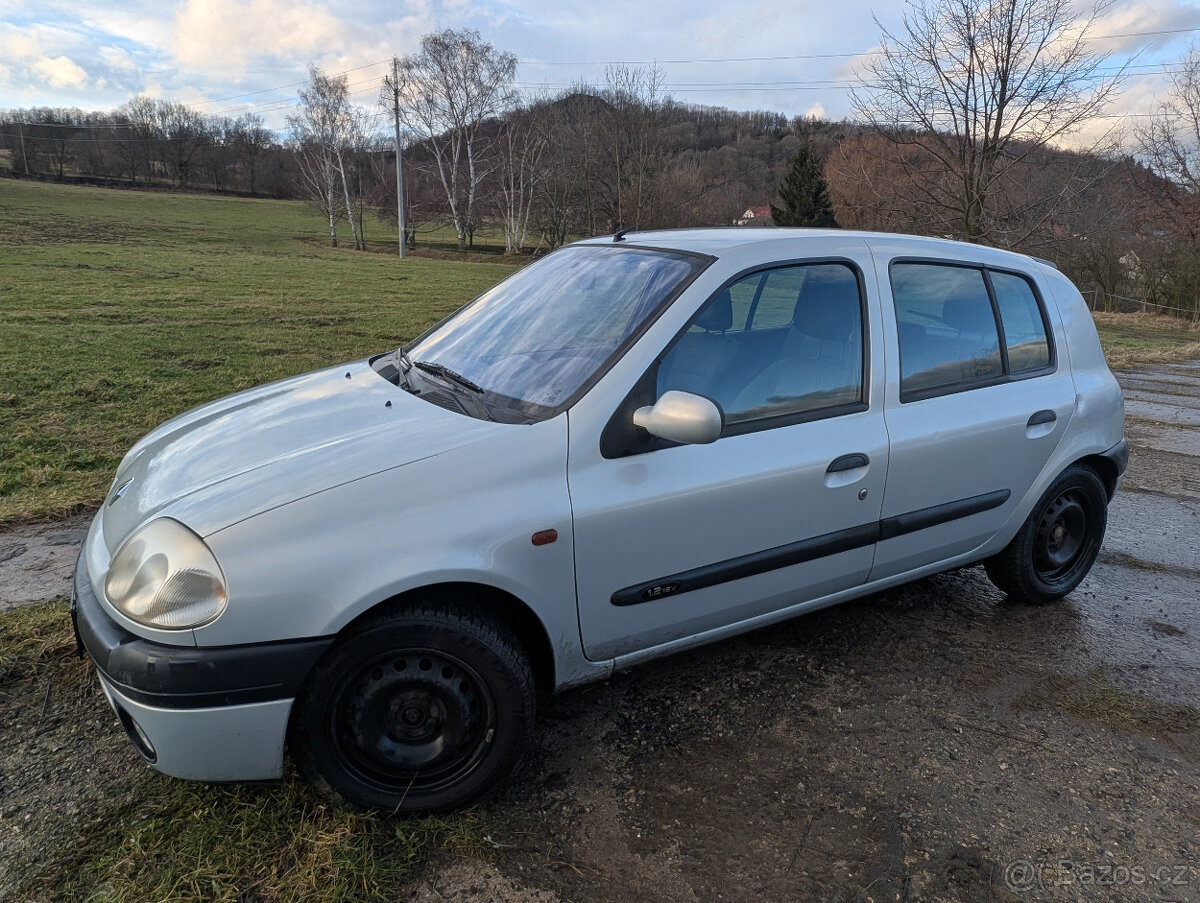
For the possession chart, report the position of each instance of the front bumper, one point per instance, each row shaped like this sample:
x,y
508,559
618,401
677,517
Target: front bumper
x,y
216,714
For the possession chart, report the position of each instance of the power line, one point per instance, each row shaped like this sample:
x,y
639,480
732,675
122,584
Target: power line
x,y
292,85
805,56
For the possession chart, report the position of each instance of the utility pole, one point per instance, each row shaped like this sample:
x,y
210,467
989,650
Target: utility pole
x,y
393,85
21,132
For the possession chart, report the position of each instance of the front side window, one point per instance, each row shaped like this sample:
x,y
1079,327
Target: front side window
x,y
776,343
539,338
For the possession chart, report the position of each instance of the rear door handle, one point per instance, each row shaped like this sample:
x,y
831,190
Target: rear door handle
x,y
1041,417
848,462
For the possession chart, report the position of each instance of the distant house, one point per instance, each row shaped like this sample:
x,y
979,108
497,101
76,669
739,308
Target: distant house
x,y
754,216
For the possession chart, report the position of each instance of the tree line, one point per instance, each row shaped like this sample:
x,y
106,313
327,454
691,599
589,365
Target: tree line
x,y
962,119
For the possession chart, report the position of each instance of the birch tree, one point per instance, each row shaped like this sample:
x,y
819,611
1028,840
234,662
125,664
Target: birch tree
x,y
519,152
322,131
455,84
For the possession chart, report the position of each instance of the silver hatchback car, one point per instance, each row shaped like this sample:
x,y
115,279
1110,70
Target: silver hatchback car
x,y
636,445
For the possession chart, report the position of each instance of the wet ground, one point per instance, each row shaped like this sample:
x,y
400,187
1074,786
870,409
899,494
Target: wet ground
x,y
933,743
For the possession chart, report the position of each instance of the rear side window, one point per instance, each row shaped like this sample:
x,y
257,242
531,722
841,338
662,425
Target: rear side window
x,y
1024,328
948,334
962,327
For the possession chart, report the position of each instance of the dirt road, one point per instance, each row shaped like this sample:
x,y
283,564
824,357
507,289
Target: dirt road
x,y
933,743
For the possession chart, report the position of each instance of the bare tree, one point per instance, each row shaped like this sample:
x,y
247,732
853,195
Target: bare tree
x,y
251,140
976,88
519,151
323,130
183,133
637,103
451,88
135,131
1170,146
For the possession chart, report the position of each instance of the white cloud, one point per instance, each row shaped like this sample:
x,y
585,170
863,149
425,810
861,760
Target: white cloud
x,y
60,72
117,59
1131,21
19,45
230,34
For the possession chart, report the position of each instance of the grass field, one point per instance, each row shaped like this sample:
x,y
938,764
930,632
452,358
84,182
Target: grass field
x,y
1132,339
120,309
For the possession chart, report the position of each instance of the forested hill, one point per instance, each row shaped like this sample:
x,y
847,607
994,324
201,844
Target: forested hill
x,y
593,160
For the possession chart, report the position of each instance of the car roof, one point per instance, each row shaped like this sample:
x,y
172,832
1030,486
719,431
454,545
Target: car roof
x,y
782,242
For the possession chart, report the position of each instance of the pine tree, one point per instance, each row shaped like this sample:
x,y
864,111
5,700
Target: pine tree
x,y
804,192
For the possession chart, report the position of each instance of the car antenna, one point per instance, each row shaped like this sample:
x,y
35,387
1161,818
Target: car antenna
x,y
620,236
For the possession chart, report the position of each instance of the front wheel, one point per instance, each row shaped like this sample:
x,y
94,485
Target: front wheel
x,y
421,708
1058,543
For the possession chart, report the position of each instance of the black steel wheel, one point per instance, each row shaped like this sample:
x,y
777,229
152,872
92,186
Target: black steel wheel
x,y
418,709
1059,541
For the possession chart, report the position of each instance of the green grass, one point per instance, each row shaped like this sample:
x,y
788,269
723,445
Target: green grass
x,y
119,309
180,841
33,640
1130,340
156,838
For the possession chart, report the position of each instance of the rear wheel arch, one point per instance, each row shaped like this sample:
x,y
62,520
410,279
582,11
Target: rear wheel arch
x,y
1058,541
1105,469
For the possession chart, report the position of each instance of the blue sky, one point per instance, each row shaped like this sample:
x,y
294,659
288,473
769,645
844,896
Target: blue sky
x,y
235,56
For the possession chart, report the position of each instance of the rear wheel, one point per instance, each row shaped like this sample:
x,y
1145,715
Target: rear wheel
x,y
1058,543
418,709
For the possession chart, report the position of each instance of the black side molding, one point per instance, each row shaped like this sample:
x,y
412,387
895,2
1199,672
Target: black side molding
x,y
807,549
749,565
922,518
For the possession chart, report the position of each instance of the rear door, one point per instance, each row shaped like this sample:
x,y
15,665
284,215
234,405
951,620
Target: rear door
x,y
980,404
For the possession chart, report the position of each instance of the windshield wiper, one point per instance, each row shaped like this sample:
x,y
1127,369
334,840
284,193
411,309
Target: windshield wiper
x,y
446,373
402,360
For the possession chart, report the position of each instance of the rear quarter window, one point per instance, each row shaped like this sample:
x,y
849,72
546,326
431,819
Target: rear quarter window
x,y
1024,326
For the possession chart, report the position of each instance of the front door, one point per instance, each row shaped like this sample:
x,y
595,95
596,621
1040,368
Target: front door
x,y
672,541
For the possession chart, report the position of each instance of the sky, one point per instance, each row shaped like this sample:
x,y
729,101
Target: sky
x,y
229,57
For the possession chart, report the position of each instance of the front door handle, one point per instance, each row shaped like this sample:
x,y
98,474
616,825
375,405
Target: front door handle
x,y
848,462
1041,417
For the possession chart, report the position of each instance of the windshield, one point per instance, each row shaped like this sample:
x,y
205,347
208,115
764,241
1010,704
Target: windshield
x,y
538,339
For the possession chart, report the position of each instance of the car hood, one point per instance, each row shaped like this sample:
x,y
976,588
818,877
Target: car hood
x,y
247,453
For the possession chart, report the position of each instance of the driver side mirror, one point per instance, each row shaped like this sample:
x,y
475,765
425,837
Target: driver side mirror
x,y
682,417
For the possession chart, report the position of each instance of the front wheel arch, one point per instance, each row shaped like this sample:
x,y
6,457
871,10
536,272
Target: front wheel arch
x,y
490,602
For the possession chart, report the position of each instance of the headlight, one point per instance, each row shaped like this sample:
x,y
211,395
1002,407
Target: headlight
x,y
165,576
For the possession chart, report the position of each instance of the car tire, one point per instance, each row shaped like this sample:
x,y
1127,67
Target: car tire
x,y
419,708
1059,541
